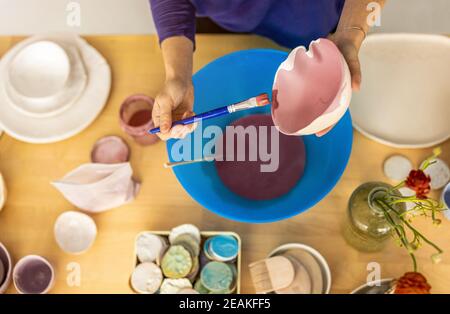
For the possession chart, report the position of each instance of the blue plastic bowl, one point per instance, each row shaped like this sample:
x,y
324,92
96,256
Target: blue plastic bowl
x,y
236,77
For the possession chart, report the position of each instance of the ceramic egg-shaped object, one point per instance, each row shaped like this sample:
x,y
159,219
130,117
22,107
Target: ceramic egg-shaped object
x,y
311,90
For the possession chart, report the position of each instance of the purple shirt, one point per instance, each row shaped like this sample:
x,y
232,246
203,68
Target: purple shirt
x,y
288,22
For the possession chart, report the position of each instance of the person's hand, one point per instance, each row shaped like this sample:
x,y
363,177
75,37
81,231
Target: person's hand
x,y
349,44
174,102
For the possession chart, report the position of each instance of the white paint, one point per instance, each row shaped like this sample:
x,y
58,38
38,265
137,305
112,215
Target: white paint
x,y
23,17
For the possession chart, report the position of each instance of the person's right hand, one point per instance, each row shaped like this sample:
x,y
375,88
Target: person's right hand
x,y
174,102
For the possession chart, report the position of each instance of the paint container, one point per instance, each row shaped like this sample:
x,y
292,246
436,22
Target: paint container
x,y
33,274
6,266
221,248
136,119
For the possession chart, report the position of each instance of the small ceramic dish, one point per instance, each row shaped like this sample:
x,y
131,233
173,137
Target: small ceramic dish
x,y
311,90
381,286
39,70
61,100
75,232
5,259
33,274
326,273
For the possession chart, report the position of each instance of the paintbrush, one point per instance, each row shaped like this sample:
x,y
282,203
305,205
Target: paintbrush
x,y
257,101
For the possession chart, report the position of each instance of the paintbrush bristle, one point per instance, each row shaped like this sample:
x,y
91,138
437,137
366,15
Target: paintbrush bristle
x,y
262,100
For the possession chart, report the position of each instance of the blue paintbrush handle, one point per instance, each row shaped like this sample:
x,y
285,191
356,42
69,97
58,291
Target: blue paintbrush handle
x,y
203,116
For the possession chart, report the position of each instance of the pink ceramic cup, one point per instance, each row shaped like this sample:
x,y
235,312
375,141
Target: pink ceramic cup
x,y
6,261
33,274
136,119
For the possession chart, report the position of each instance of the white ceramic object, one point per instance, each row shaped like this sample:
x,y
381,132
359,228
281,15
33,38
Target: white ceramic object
x,y
150,247
311,90
405,96
99,187
74,119
3,192
397,167
39,70
5,259
58,102
75,232
320,259
146,278
439,173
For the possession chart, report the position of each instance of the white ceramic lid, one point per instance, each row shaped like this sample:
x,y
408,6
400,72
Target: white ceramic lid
x,y
69,122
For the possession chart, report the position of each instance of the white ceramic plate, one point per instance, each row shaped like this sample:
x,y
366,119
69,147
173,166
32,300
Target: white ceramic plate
x,y
405,97
71,121
320,259
58,102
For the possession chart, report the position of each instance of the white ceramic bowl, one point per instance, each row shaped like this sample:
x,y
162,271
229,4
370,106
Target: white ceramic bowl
x,y
5,259
39,70
60,101
320,259
75,232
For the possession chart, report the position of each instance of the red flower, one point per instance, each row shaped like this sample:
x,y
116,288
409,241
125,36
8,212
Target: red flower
x,y
412,283
419,182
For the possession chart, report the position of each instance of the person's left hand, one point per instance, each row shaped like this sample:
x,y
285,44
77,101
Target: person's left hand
x,y
349,44
349,47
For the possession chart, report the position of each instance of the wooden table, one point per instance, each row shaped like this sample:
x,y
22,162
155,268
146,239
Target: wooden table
x,y
26,222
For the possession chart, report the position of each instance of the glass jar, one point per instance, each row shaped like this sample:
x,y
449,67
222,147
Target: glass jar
x,y
136,119
366,227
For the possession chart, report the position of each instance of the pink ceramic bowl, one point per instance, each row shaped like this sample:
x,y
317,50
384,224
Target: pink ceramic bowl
x,y
311,90
6,261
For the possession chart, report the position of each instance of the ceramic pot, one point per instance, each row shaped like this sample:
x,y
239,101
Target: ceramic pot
x,y
136,119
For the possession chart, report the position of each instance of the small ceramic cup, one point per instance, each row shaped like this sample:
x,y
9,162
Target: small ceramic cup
x,y
136,119
33,274
5,275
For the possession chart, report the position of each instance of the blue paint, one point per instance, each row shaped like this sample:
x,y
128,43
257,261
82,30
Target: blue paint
x,y
224,247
